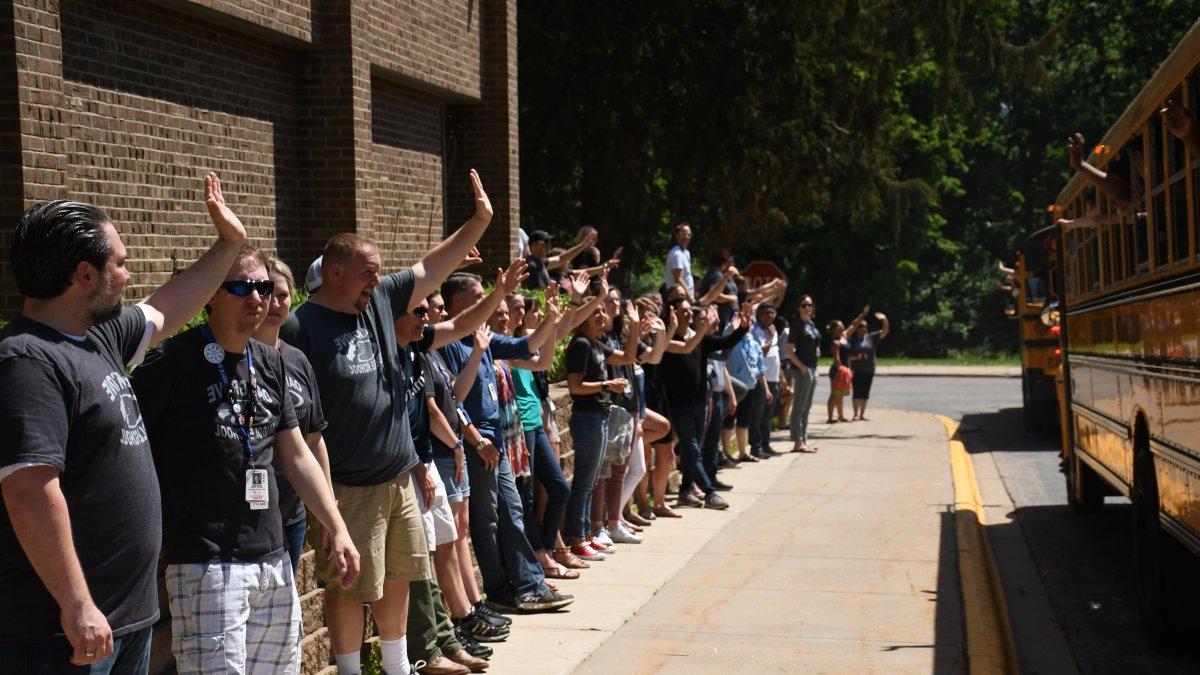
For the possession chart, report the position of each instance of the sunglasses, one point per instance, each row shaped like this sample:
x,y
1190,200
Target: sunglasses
x,y
420,312
241,288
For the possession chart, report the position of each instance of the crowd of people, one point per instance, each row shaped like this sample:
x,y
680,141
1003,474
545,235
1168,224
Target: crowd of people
x,y
382,421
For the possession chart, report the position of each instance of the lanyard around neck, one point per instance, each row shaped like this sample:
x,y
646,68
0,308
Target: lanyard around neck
x,y
244,418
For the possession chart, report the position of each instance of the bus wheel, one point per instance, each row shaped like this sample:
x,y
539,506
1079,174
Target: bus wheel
x,y
1159,560
1085,489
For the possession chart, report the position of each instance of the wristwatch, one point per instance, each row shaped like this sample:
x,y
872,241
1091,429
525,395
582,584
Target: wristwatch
x,y
483,442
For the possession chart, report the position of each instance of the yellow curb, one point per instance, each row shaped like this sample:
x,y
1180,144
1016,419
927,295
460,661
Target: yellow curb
x,y
989,635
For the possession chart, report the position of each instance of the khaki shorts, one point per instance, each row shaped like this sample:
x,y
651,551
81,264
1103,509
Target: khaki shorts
x,y
385,524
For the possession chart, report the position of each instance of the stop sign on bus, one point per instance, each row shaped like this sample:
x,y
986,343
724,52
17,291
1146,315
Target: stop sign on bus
x,y
760,272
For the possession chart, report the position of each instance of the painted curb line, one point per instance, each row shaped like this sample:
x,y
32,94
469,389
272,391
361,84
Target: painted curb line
x,y
990,647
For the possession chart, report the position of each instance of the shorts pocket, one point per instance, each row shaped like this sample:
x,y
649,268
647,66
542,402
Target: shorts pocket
x,y
201,654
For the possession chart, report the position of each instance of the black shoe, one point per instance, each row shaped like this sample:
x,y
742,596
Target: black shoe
x,y
759,454
471,644
689,499
748,458
722,487
481,629
714,501
725,461
491,615
770,452
544,601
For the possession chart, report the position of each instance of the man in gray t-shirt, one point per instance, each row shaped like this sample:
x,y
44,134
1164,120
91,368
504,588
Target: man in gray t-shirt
x,y
347,332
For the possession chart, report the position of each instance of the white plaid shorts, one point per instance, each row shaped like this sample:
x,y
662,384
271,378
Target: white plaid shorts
x,y
236,617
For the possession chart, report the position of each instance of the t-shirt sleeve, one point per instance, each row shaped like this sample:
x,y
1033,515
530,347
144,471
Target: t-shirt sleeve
x,y
287,409
128,334
152,382
605,348
290,332
426,370
674,260
707,282
316,414
577,357
397,289
33,414
505,347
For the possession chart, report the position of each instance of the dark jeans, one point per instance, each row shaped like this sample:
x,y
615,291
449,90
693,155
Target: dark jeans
x,y
293,535
547,471
689,424
756,403
506,562
767,422
710,447
589,436
131,656
430,633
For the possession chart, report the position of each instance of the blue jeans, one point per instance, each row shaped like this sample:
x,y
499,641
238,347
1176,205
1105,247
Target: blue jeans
x,y
547,471
131,656
506,561
689,424
294,536
710,447
589,435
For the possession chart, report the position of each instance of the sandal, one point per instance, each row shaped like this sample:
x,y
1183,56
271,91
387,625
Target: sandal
x,y
559,572
564,557
665,511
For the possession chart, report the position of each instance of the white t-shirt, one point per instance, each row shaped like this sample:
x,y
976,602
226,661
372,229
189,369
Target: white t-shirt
x,y
680,258
770,356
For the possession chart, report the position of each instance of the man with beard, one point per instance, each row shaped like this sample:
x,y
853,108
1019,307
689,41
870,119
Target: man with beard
x,y
79,594
219,415
347,332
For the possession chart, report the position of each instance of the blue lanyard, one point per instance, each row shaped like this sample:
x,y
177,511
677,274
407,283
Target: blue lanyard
x,y
244,421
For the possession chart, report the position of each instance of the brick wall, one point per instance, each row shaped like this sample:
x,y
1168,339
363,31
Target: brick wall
x,y
320,117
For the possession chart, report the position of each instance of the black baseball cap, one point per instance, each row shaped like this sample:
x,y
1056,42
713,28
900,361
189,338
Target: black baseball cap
x,y
540,235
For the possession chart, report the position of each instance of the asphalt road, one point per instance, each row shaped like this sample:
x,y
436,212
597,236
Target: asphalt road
x,y
1084,563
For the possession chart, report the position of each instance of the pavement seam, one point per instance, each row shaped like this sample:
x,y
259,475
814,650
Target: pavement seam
x,y
990,647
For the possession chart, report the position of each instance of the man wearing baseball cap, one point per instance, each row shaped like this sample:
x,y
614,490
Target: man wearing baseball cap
x,y
540,262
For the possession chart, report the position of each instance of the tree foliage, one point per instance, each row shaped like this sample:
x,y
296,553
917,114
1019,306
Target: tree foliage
x,y
885,152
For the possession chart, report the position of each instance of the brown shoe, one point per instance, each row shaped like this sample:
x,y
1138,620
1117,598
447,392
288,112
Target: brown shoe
x,y
441,665
463,658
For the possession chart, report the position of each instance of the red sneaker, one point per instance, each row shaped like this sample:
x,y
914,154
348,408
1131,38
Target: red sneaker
x,y
586,553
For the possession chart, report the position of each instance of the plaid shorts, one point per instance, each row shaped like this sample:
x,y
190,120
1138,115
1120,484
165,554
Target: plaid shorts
x,y
239,617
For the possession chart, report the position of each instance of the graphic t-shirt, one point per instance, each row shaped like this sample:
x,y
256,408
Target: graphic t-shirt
x,y
420,388
68,404
587,357
302,387
200,450
357,363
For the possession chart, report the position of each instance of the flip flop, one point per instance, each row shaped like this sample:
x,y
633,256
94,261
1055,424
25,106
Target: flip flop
x,y
559,572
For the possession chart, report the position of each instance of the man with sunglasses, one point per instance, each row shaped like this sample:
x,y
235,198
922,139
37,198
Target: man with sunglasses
x,y
347,332
80,596
220,417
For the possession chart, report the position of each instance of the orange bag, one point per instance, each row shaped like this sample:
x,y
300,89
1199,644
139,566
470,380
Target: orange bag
x,y
843,380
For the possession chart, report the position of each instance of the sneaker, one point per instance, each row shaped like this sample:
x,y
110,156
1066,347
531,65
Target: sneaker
x,y
471,644
689,499
483,630
545,601
621,535
492,616
600,546
602,537
586,553
714,501
760,454
723,487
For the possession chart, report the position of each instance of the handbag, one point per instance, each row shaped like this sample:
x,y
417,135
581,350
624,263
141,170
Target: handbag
x,y
843,381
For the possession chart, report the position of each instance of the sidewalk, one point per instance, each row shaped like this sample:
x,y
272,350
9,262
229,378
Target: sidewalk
x,y
836,562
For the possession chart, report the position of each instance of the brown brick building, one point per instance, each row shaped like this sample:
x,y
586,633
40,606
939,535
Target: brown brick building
x,y
320,116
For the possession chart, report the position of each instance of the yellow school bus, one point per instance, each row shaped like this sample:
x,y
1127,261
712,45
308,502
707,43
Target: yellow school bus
x,y
1037,300
1131,340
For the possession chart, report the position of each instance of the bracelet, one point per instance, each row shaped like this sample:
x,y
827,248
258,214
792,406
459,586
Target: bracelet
x,y
457,446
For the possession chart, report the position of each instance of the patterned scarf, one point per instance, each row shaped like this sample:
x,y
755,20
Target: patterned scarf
x,y
510,422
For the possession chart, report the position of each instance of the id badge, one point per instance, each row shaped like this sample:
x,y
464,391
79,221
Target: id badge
x,y
462,417
492,391
258,495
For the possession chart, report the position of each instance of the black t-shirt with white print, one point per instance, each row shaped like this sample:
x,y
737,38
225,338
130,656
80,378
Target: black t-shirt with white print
x,y
587,357
302,387
357,363
200,451
67,403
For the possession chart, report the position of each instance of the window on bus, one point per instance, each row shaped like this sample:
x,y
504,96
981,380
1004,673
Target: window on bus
x,y
1111,263
1158,191
1177,191
1137,239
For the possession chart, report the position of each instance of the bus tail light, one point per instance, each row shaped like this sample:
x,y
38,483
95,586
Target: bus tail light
x,y
1055,330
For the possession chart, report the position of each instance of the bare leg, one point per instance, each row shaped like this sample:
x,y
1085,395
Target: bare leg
x,y
830,405
466,571
345,619
664,461
449,578
391,611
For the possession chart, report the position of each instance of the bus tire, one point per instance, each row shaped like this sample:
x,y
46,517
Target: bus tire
x,y
1085,488
1160,561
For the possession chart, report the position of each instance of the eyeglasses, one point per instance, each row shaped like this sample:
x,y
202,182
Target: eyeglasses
x,y
438,308
240,288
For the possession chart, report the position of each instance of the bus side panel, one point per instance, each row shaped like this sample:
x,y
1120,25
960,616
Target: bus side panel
x,y
1105,442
